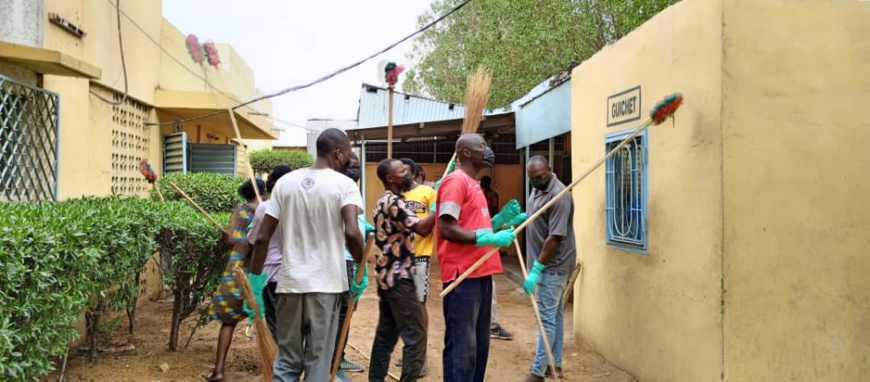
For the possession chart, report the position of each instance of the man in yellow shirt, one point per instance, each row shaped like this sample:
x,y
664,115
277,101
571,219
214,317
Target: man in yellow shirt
x,y
418,199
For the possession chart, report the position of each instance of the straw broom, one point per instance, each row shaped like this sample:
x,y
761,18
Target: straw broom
x,y
265,343
659,113
370,247
476,95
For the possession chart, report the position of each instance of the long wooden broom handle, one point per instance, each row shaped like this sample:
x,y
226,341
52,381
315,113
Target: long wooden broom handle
x,y
549,204
247,160
198,208
537,311
370,246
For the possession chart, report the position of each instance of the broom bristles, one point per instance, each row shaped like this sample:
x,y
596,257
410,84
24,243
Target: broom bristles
x,y
476,95
265,344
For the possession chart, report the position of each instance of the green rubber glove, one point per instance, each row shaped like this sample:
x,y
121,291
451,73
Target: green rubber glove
x,y
498,239
258,282
356,290
508,213
517,220
533,277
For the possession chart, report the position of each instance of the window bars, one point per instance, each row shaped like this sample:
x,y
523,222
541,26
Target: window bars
x,y
28,142
626,193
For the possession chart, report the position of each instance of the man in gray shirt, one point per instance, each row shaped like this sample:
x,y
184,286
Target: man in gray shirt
x,y
550,247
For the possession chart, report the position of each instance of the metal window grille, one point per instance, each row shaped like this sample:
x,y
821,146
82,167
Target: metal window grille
x,y
28,142
626,193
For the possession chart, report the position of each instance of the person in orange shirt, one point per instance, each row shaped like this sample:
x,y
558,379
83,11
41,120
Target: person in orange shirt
x,y
465,234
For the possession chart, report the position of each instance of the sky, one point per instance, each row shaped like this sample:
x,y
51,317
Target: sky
x,y
287,43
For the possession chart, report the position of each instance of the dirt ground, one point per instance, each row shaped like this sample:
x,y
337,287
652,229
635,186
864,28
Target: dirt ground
x,y
508,360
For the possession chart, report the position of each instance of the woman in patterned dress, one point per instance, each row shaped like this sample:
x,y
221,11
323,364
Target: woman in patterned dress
x,y
227,303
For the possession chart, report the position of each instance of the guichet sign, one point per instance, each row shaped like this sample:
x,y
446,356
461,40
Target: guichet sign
x,y
624,107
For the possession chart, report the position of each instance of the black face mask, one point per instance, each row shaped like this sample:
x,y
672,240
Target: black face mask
x,y
407,182
540,184
353,173
489,157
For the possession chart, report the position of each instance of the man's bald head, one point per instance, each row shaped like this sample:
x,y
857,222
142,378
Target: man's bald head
x,y
538,161
539,172
333,149
330,140
469,142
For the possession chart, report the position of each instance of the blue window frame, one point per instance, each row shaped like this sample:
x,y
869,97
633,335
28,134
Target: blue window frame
x,y
626,192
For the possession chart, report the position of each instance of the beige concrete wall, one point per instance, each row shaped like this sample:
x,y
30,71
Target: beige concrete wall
x,y
656,315
100,46
796,124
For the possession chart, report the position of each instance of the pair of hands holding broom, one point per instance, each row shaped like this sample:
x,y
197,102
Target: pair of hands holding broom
x,y
502,234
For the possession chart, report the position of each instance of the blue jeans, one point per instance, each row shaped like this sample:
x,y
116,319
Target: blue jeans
x,y
551,288
467,313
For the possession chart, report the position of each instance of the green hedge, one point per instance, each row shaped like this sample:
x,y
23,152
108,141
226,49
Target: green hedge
x,y
85,255
262,161
213,192
194,257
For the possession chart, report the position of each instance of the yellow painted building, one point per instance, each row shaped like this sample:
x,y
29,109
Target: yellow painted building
x,y
58,140
732,242
74,54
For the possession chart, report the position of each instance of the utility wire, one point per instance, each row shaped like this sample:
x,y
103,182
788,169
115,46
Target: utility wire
x,y
324,78
123,60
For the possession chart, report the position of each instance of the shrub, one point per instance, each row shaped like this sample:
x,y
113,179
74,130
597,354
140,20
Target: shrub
x,y
194,256
263,161
60,259
213,192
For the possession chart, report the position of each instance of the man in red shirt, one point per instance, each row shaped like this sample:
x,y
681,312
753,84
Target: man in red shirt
x,y
465,234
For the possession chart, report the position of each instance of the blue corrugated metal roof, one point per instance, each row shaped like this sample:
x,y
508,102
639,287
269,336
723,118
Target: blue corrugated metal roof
x,y
374,106
545,115
407,108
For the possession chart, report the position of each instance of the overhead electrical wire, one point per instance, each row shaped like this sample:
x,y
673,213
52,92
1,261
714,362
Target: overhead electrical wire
x,y
324,78
123,60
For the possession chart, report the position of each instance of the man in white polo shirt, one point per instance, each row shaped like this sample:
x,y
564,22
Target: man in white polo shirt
x,y
317,209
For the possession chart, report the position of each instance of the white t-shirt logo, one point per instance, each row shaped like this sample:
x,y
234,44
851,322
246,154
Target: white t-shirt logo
x,y
307,183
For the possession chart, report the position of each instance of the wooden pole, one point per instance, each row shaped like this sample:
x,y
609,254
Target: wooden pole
x,y
366,356
370,246
570,288
537,311
247,160
198,208
160,194
549,204
390,126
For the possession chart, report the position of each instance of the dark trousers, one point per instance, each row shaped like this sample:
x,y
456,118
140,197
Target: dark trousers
x,y
401,314
345,302
467,314
270,299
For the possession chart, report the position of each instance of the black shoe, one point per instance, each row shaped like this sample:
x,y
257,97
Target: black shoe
x,y
500,334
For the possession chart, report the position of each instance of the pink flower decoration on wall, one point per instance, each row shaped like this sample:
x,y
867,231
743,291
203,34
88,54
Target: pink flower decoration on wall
x,y
194,48
212,53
